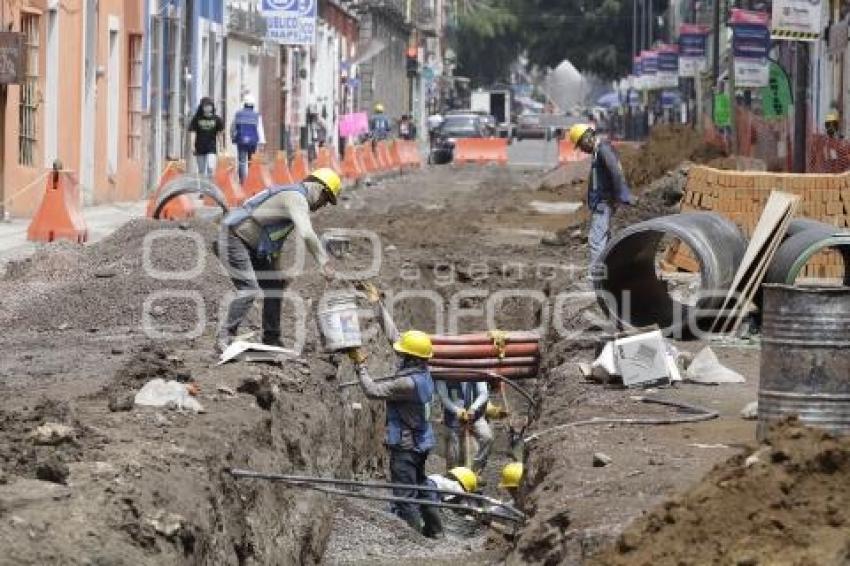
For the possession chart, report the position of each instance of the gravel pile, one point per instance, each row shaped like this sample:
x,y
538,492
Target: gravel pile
x,y
106,285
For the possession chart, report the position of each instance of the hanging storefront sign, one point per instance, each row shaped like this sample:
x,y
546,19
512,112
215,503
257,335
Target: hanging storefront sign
x,y
693,51
637,73
750,47
11,57
649,69
668,66
722,110
776,99
669,99
291,22
797,20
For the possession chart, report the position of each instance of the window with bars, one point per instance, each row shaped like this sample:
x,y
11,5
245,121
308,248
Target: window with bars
x,y
28,103
134,98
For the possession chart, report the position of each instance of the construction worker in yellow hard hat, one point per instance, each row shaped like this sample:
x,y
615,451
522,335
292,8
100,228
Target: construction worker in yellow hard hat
x,y
511,478
606,189
379,124
832,124
408,395
250,242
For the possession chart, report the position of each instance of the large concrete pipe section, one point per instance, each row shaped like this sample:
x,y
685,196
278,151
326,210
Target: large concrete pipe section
x,y
633,293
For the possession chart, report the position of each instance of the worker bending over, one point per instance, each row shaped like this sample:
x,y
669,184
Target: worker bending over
x,y
606,188
251,240
464,405
410,436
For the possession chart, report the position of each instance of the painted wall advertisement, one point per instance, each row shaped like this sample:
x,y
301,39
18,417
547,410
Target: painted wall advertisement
x,y
750,47
693,50
668,66
291,22
797,20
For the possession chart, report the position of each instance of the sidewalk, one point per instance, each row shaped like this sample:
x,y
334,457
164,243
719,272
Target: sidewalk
x,y
101,220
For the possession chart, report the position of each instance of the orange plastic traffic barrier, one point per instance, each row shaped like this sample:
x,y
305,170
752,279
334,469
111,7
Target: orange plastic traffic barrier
x,y
569,153
382,152
351,167
59,215
178,208
299,167
258,177
327,158
281,175
481,150
408,153
226,181
367,157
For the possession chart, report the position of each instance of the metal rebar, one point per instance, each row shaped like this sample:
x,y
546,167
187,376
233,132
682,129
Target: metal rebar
x,y
303,480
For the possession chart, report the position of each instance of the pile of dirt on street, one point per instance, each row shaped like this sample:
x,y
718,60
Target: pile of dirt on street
x,y
164,269
667,147
788,503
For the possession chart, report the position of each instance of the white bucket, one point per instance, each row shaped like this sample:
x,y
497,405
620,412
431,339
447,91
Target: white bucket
x,y
339,325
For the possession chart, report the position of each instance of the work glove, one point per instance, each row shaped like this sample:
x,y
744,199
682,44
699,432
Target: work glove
x,y
373,295
357,356
464,416
328,271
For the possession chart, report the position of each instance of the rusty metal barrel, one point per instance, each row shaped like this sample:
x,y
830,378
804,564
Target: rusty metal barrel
x,y
805,357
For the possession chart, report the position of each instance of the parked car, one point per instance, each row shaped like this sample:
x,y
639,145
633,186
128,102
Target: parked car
x,y
531,126
488,121
454,126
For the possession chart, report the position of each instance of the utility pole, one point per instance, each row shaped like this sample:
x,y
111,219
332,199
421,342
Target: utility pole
x,y
643,25
634,28
801,77
715,52
650,25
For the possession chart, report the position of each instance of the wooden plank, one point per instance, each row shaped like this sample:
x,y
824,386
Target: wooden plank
x,y
779,207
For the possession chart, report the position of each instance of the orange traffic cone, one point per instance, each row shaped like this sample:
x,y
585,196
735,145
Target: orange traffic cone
x,y
178,208
280,170
299,167
226,181
59,215
258,177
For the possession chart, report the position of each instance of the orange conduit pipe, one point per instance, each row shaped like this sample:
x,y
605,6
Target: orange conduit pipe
x,y
462,374
484,338
484,363
468,351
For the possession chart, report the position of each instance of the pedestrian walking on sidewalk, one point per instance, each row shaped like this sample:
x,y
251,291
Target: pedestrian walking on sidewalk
x,y
207,128
464,405
606,189
250,243
247,134
410,436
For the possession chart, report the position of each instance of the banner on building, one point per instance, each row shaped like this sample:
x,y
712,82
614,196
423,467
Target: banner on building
x,y
751,48
351,125
693,50
797,20
668,66
291,22
649,69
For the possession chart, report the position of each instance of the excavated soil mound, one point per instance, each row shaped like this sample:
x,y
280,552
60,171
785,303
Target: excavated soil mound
x,y
667,147
785,504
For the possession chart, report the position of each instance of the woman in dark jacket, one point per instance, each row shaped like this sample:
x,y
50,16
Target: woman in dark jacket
x,y
208,127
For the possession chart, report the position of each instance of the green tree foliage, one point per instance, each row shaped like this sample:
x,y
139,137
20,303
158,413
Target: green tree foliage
x,y
595,35
486,39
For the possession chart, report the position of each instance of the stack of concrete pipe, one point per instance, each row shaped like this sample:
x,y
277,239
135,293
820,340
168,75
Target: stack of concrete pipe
x,y
513,355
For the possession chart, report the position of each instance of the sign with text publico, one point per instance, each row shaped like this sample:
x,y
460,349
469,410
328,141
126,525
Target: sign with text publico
x,y
649,69
291,22
797,20
750,48
693,50
11,58
668,66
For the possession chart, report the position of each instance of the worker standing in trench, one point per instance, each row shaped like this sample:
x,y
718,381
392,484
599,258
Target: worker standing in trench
x,y
606,188
464,405
408,395
250,243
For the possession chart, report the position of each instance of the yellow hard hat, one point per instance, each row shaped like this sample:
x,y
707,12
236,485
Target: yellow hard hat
x,y
379,107
832,116
329,178
511,475
577,132
494,411
414,343
465,477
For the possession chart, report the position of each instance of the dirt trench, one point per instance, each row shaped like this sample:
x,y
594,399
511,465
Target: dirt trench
x,y
129,485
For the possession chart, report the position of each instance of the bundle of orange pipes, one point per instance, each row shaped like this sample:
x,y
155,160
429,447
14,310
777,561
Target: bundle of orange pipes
x,y
514,355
